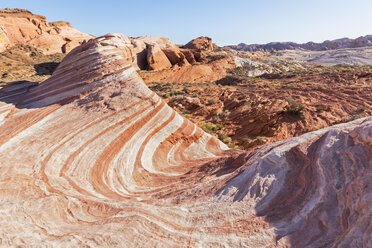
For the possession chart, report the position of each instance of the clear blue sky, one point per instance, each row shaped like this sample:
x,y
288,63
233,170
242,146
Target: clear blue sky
x,y
226,21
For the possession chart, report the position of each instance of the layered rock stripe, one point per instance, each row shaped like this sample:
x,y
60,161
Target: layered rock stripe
x,y
92,158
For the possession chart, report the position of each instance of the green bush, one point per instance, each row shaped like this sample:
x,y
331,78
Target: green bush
x,y
295,108
211,128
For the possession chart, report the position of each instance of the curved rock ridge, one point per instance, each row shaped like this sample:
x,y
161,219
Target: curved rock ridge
x,y
88,66
93,158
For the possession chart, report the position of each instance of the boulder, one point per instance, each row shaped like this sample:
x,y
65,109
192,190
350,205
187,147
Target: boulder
x,y
189,103
156,58
200,56
189,54
140,45
202,43
175,56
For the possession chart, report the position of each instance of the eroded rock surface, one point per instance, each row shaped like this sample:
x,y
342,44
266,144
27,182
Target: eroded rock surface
x,y
201,43
156,58
19,26
92,157
141,49
194,63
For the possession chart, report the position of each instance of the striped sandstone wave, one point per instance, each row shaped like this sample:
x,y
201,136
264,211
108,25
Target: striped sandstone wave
x,y
93,158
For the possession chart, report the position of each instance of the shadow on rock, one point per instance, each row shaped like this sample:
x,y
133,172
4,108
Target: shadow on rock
x,y
43,69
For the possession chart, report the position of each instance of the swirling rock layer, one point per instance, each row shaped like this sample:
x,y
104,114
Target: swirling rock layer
x,y
93,158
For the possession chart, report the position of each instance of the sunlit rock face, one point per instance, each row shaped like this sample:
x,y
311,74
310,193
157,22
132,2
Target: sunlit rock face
x,y
93,158
21,27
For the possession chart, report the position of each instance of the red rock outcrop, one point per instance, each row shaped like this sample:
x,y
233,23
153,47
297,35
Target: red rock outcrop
x,y
19,26
176,56
92,157
201,43
190,55
156,59
196,73
140,48
187,65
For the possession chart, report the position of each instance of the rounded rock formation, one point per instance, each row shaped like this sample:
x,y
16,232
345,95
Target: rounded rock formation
x,y
18,26
156,59
201,43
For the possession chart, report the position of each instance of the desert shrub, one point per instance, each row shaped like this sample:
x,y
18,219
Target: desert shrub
x,y
185,112
261,140
187,116
185,89
234,146
320,109
224,114
211,128
216,119
222,136
247,140
211,102
165,95
174,99
214,57
175,92
228,81
361,109
228,141
295,108
347,119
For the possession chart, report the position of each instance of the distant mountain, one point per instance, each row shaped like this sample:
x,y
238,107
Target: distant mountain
x,y
326,45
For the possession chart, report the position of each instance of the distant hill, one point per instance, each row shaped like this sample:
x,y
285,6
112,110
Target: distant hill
x,y
326,45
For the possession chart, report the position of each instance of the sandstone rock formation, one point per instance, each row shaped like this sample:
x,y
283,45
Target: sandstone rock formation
x,y
140,48
201,43
92,157
208,71
191,56
156,59
187,65
19,26
176,56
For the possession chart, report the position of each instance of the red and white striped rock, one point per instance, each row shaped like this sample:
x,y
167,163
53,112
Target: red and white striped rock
x,y
93,158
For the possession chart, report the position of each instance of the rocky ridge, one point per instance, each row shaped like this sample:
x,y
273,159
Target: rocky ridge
x,y
21,27
362,41
200,43
159,60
